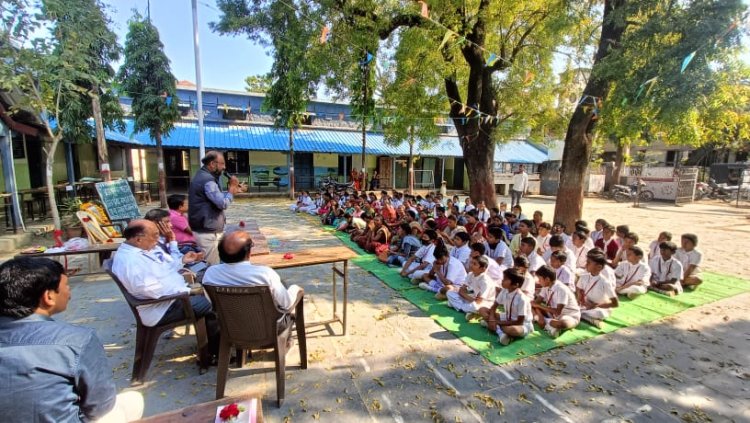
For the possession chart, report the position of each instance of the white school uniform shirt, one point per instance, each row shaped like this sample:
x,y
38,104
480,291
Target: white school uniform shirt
x,y
542,243
608,274
425,253
570,262
566,276
462,253
687,258
482,286
501,250
149,275
495,271
454,271
514,304
627,272
529,285
483,215
579,256
468,208
247,274
596,289
665,270
558,293
595,235
535,262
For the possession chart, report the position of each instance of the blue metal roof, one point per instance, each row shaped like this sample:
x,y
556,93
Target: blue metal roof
x,y
266,138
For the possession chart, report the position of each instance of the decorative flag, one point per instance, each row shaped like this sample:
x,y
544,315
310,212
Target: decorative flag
x,y
425,10
368,59
325,34
446,38
529,77
492,59
686,61
169,100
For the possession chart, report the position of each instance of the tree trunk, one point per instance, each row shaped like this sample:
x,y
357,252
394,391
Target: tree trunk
x,y
101,142
162,173
50,162
291,163
479,156
579,137
623,150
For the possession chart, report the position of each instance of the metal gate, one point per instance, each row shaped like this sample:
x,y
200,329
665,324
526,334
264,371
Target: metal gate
x,y
686,179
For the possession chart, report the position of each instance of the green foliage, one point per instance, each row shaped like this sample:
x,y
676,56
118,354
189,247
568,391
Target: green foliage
x,y
145,76
258,83
675,107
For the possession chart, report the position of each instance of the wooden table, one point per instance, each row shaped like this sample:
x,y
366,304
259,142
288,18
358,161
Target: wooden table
x,y
203,413
103,250
314,257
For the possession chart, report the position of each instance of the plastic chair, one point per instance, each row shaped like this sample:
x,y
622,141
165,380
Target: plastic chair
x,y
147,337
250,320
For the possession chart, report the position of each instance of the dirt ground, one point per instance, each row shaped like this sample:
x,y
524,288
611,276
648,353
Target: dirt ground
x,y
396,364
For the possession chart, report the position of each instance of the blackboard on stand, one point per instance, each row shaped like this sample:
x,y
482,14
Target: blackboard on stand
x,y
118,200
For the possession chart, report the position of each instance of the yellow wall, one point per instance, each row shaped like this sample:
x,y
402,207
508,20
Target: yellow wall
x,y
152,169
268,158
325,160
87,160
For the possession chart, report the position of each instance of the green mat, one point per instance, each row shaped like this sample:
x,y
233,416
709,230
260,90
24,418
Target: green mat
x,y
646,308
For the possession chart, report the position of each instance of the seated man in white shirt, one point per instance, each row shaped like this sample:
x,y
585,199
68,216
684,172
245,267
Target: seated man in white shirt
x,y
149,273
237,270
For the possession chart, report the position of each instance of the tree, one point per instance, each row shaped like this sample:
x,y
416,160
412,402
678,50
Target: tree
x,y
146,77
258,83
101,101
293,76
638,81
49,66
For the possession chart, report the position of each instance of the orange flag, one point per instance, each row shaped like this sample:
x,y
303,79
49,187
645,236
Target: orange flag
x,y
529,77
324,34
425,10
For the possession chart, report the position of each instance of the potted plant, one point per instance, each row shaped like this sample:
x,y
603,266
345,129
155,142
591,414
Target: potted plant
x,y
68,208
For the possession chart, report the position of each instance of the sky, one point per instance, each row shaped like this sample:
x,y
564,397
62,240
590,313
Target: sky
x,y
226,60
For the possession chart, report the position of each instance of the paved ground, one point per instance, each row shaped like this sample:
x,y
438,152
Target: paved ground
x,y
396,364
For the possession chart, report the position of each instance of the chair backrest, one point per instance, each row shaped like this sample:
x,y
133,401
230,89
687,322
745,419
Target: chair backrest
x,y
131,300
247,314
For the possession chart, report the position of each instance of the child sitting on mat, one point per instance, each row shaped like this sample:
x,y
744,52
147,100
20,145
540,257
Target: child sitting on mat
x,y
633,275
690,258
666,271
596,294
555,307
477,291
515,320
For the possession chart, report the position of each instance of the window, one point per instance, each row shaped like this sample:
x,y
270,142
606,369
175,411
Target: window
x,y
184,108
238,162
671,156
233,113
116,158
19,150
185,160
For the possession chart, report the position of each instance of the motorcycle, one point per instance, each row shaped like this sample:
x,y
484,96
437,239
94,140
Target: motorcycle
x,y
701,191
337,186
623,193
722,191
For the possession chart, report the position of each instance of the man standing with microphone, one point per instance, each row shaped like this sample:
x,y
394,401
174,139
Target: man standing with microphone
x,y
207,202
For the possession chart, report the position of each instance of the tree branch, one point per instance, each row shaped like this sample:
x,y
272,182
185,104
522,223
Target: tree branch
x,y
408,20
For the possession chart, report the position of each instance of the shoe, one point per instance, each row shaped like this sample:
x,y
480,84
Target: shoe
x,y
668,293
504,339
472,316
483,323
424,285
440,297
596,322
633,295
553,332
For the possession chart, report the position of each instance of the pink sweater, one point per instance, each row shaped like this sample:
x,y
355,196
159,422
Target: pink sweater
x,y
179,226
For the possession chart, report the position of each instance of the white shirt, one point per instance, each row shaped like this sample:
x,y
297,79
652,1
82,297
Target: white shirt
x,y
686,258
557,294
665,270
495,271
514,304
454,271
462,253
501,251
483,215
469,207
595,235
425,253
566,276
482,286
247,274
148,275
520,181
535,262
653,250
529,285
570,262
542,243
579,256
627,272
596,289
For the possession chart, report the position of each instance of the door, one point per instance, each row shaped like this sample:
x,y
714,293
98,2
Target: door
x,y
304,177
177,166
34,155
458,173
345,167
385,171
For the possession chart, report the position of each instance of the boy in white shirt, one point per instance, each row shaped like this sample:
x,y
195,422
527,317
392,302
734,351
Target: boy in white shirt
x,y
461,249
483,214
468,206
633,275
528,250
595,295
557,243
476,292
528,287
690,258
580,249
421,262
562,272
494,270
447,273
666,271
496,248
515,320
629,240
524,230
653,248
555,307
542,238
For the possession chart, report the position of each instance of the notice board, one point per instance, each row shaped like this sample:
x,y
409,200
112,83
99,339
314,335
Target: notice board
x,y
118,200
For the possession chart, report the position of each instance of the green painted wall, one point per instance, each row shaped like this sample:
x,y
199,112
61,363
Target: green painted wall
x,y
325,160
87,160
